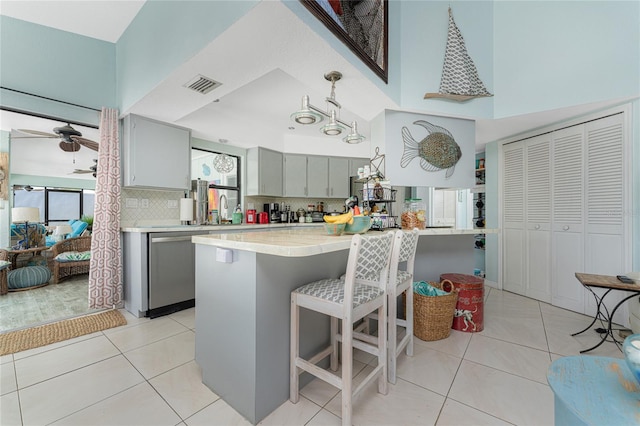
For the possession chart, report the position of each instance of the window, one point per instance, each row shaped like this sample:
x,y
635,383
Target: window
x,y
56,205
222,171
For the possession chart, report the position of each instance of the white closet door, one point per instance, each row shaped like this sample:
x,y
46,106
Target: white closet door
x,y
513,218
567,217
538,218
605,252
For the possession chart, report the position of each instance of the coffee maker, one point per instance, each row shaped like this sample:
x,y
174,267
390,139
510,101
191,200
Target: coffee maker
x,y
200,189
274,210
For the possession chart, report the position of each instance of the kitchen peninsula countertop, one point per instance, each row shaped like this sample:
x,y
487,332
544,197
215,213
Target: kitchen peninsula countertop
x,y
303,241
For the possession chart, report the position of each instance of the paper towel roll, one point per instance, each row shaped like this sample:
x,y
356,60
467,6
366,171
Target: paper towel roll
x,y
186,209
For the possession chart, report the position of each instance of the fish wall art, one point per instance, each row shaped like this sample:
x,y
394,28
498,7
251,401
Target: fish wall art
x,y
436,151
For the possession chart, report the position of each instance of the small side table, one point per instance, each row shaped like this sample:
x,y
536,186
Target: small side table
x,y
13,254
609,283
593,390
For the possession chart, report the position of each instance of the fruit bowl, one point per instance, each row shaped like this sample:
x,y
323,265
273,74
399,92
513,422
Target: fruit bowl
x,y
334,228
631,351
360,225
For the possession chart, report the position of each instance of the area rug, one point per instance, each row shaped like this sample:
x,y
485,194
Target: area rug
x,y
34,337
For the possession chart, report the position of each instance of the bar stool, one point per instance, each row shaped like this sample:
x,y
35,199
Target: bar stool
x,y
361,292
400,281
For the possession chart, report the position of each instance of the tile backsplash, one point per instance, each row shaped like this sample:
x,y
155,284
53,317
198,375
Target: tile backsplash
x,y
141,207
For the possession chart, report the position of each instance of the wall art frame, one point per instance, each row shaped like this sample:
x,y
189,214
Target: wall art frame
x,y
361,25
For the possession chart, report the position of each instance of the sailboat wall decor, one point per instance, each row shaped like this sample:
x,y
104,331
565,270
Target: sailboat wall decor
x,y
459,81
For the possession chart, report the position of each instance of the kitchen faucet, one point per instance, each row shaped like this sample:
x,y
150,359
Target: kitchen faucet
x,y
223,209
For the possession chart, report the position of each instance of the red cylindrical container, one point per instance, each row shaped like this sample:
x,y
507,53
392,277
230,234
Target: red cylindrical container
x,y
263,217
469,315
251,216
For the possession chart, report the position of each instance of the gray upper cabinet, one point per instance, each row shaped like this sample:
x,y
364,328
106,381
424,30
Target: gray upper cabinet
x,y
295,175
318,176
156,154
338,177
355,164
264,172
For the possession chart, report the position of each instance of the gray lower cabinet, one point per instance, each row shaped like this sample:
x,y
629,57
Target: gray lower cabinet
x,y
155,154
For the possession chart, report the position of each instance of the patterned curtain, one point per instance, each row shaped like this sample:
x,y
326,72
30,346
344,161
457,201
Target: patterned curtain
x,y
105,274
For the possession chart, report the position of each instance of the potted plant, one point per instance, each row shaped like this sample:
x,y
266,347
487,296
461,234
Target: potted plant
x,y
89,222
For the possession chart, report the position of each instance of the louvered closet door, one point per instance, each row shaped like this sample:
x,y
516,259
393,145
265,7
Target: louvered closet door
x,y
605,251
513,218
567,218
538,218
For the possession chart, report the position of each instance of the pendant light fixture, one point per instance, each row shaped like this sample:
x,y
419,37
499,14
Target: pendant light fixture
x,y
310,114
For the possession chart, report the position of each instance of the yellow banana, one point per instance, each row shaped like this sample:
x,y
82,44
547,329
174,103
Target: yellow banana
x,y
343,218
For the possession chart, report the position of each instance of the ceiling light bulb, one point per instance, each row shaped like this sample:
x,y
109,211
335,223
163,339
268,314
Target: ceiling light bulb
x,y
306,115
332,128
353,137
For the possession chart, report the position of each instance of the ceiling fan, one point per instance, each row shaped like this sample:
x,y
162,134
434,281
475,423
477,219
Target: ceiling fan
x,y
71,140
27,188
93,169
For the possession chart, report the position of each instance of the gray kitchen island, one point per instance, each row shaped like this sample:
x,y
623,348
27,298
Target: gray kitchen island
x,y
243,286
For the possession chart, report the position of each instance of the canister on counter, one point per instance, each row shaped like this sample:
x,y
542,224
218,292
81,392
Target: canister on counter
x,y
414,214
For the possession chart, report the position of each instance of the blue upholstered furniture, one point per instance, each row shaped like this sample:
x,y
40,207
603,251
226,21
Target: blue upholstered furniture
x,y
28,277
17,232
77,226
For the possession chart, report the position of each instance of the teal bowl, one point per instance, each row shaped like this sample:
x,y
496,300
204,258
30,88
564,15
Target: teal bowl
x,y
631,351
334,228
360,225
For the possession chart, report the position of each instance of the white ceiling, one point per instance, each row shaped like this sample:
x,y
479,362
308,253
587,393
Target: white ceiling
x,y
265,61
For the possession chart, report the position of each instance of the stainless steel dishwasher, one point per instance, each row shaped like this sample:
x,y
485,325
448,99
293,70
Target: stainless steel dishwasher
x,y
171,272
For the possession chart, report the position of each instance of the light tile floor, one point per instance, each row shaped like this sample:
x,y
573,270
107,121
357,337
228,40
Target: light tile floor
x,y
144,373
53,302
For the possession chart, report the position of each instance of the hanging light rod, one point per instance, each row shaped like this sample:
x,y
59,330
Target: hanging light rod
x,y
310,114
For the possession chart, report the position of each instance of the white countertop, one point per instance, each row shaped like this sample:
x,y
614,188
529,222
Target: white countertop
x,y
213,228
301,242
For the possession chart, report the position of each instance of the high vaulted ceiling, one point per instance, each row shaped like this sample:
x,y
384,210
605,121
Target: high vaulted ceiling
x,y
264,64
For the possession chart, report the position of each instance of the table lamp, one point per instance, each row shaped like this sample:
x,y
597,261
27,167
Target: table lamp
x,y
26,215
61,232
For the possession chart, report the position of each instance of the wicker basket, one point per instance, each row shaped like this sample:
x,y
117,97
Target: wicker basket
x,y
433,315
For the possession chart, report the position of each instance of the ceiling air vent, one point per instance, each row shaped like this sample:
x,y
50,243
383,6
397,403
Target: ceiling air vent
x,y
202,84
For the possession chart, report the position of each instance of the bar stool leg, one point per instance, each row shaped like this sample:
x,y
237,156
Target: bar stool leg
x,y
409,320
383,349
347,371
392,333
333,358
294,351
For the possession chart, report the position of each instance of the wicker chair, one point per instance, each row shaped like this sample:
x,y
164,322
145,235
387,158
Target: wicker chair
x,y
66,269
4,289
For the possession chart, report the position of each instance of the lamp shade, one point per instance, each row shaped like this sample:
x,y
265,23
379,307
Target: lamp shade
x,y
25,214
63,230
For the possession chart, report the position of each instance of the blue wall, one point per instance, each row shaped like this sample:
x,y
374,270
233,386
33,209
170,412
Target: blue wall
x,y
163,36
424,27
55,64
554,54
